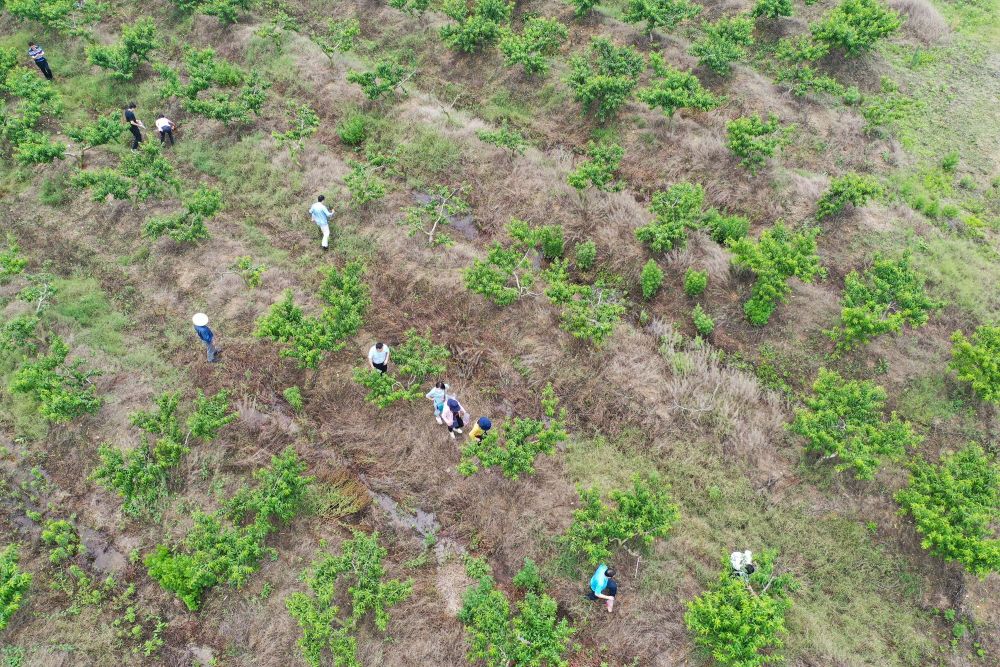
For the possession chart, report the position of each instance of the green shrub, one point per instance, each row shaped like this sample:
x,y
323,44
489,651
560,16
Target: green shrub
x,y
353,129
950,162
779,255
364,183
187,225
956,507
856,25
539,39
416,359
586,254
303,123
31,99
723,43
977,361
215,88
671,89
293,395
310,338
411,7
599,170
104,130
695,282
62,540
63,391
123,59
739,619
651,279
385,78
675,210
772,9
503,277
851,188
324,630
640,515
606,77
227,11
844,420
13,584
11,261
532,636
703,322
529,579
250,273
660,13
593,312
754,140
582,7
888,295
339,35
474,26
522,441
513,142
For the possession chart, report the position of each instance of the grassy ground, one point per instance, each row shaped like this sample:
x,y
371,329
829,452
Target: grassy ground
x,y
868,595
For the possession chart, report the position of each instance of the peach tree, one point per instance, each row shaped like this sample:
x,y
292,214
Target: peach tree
x,y
977,361
604,78
416,359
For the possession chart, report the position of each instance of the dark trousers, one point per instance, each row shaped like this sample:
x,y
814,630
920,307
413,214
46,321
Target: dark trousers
x,y
458,423
167,134
43,65
382,368
136,136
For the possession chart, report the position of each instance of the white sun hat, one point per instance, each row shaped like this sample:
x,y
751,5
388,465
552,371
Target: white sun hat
x,y
200,319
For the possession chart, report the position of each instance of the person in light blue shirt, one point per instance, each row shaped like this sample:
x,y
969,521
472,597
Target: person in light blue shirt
x,y
321,216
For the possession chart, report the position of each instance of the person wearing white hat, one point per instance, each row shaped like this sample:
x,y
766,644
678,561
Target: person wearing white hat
x,y
742,562
205,334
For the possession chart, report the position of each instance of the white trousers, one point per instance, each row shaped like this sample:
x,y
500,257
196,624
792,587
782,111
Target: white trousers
x,y
326,235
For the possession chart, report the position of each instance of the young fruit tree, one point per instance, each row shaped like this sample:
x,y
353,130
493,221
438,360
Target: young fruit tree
x,y
956,507
63,391
772,9
695,282
142,174
124,58
501,637
650,279
660,13
881,300
106,129
599,170
582,7
977,361
325,630
415,359
703,322
856,25
339,35
187,225
303,123
777,256
364,183
439,207
475,26
411,7
640,515
844,420
511,141
592,312
675,210
227,11
505,276
723,43
754,140
671,89
741,620
11,262
14,584
386,77
538,41
31,99
605,78
851,188
522,441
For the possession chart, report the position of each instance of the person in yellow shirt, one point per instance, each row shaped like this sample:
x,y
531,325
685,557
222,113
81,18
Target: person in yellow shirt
x,y
480,430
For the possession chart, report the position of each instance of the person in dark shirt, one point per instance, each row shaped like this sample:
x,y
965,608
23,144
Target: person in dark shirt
x,y
36,53
134,124
609,591
205,334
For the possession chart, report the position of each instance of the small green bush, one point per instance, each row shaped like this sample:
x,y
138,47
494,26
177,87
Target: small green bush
x,y
123,59
851,188
605,78
723,43
386,77
62,540
476,26
753,140
856,25
293,395
772,9
703,322
695,282
540,38
651,279
586,255
676,210
671,89
14,584
599,170
660,13
977,361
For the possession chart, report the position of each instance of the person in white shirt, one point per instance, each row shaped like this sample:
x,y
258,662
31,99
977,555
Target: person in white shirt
x,y
378,357
438,394
321,216
165,127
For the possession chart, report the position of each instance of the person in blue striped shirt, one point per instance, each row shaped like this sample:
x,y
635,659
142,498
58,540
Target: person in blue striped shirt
x,y
36,53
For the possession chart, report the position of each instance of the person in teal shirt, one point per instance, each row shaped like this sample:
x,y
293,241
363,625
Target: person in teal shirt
x,y
603,586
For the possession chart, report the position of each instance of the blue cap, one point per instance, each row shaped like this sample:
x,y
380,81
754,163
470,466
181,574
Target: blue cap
x,y
485,423
453,404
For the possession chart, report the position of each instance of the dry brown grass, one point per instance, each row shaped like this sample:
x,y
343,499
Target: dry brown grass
x,y
923,20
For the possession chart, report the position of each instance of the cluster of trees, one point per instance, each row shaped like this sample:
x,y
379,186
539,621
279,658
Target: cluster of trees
x,y
214,88
229,544
140,474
